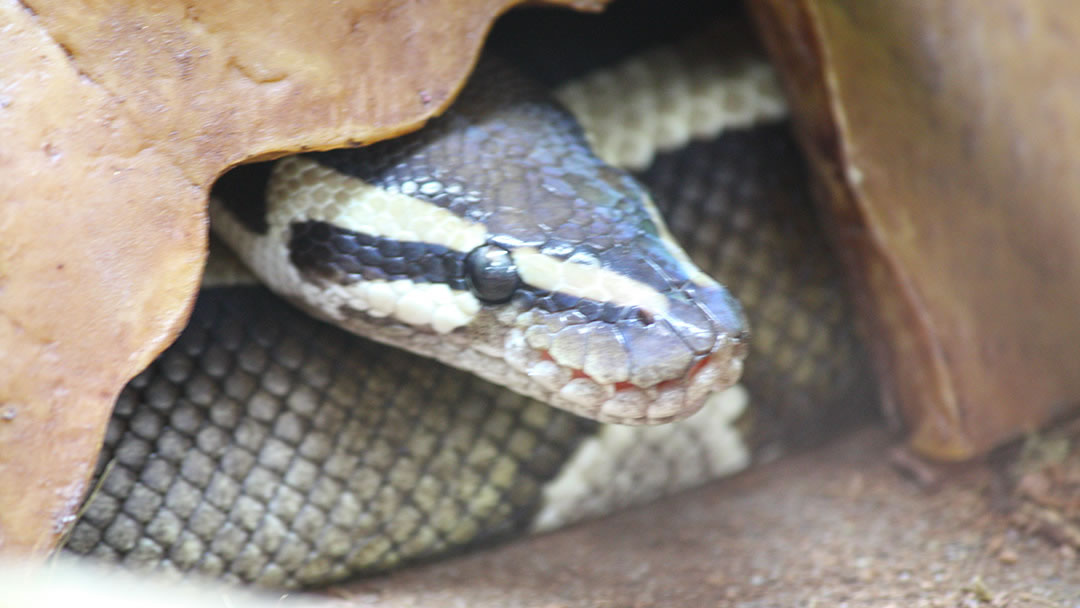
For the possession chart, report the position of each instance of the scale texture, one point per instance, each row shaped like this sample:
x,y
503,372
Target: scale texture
x,y
267,447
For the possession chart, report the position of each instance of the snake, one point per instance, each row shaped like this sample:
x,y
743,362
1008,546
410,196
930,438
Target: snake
x,y
487,328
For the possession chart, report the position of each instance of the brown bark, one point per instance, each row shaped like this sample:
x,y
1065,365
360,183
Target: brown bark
x,y
945,138
115,118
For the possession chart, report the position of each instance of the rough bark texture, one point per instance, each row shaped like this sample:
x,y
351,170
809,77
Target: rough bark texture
x,y
946,141
115,118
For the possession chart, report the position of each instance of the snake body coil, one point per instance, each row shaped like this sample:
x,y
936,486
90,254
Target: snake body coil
x,y
270,447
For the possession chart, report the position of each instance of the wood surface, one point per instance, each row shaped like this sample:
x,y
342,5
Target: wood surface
x,y
945,139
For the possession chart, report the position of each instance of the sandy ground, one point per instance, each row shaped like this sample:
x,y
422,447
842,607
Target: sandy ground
x,y
840,526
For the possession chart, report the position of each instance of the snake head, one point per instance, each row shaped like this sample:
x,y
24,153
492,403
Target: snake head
x,y
613,321
495,241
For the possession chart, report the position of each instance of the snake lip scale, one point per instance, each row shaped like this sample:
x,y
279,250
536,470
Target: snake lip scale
x,y
496,241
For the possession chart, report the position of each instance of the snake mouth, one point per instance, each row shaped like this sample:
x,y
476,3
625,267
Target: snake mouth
x,y
630,386
666,401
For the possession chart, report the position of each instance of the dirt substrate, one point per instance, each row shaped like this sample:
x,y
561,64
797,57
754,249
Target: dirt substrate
x,y
841,526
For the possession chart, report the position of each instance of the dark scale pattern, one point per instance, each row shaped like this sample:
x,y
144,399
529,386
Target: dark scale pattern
x,y
590,310
240,453
505,154
267,447
741,208
220,460
324,252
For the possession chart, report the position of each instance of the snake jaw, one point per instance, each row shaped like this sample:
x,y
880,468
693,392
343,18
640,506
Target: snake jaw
x,y
563,370
667,401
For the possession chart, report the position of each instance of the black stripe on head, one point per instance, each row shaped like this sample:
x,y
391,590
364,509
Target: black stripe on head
x,y
324,252
590,310
242,191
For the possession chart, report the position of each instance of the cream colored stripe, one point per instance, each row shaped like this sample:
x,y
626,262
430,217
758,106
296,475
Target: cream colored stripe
x,y
433,304
585,281
628,465
303,189
661,99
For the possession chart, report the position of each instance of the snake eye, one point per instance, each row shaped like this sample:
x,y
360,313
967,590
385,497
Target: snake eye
x,y
492,273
